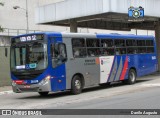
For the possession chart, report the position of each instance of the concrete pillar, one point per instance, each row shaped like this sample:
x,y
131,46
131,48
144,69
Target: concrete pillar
x,y
73,26
157,35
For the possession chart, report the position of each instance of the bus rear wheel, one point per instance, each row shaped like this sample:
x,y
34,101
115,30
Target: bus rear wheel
x,y
131,77
76,85
43,93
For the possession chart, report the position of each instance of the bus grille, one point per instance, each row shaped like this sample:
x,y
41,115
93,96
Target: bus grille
x,y
29,89
26,76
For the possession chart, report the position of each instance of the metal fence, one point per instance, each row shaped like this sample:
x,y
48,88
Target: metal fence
x,y
15,32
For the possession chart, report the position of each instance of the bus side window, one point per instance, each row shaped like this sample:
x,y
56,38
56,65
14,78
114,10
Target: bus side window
x,y
79,47
54,50
58,54
141,46
149,43
119,42
131,42
105,43
62,52
93,47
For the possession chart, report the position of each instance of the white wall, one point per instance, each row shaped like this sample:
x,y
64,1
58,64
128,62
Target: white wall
x,y
79,8
16,19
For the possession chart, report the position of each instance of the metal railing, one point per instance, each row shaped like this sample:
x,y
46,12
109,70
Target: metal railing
x,y
15,32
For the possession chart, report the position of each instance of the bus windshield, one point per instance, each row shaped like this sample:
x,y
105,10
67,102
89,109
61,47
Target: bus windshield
x,y
29,57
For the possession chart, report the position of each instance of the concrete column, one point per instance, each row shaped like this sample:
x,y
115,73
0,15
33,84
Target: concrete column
x,y
157,35
73,26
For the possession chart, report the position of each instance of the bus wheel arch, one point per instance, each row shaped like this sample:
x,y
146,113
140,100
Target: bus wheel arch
x,y
77,83
132,74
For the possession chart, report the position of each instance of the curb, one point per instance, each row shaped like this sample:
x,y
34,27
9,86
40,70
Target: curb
x,y
6,92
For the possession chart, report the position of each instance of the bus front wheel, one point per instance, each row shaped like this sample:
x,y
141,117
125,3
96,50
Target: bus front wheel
x,y
131,77
43,93
76,85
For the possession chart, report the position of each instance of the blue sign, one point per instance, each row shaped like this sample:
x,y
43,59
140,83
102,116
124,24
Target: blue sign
x,y
27,66
33,65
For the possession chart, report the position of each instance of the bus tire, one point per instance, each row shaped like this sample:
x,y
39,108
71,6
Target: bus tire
x,y
43,93
76,85
131,77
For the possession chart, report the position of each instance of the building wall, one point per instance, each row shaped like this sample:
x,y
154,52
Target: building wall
x,y
16,19
4,67
4,41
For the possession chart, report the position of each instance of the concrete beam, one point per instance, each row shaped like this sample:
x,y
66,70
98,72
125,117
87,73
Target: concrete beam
x,y
108,25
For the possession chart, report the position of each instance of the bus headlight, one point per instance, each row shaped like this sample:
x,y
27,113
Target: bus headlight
x,y
45,80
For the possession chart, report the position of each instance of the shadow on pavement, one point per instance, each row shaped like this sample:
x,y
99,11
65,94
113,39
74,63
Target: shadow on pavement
x,y
68,93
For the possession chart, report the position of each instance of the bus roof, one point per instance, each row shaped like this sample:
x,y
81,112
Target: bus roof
x,y
92,35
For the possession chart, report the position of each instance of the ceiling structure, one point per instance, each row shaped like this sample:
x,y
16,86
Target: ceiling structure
x,y
99,14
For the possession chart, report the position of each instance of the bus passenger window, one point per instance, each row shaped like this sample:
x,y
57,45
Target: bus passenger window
x,y
123,50
142,50
117,51
93,52
93,42
79,52
119,43
150,50
130,42
149,43
141,43
120,51
79,48
76,52
131,50
106,43
93,47
78,42
107,51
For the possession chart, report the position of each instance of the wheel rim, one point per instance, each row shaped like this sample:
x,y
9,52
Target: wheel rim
x,y
132,76
77,84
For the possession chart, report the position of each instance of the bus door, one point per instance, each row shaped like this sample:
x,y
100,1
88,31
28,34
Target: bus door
x,y
58,59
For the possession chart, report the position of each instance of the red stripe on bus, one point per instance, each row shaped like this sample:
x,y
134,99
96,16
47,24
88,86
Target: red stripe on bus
x,y
125,67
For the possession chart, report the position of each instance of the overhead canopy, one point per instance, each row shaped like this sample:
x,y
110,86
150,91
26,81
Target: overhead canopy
x,y
98,14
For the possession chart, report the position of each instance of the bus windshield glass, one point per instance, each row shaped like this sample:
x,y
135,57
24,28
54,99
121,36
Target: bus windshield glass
x,y
29,57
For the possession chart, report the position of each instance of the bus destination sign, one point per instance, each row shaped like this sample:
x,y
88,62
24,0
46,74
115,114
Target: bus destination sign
x,y
28,38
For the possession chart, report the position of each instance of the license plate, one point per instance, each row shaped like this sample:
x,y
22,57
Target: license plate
x,y
27,86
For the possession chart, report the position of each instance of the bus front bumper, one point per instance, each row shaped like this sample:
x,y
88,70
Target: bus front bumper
x,y
43,86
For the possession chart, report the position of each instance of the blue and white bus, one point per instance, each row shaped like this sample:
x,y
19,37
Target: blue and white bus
x,y
51,62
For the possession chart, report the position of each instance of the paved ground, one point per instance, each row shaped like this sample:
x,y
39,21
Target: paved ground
x,y
142,99
5,88
144,94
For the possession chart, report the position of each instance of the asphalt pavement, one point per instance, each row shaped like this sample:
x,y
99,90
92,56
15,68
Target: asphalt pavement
x,y
142,95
